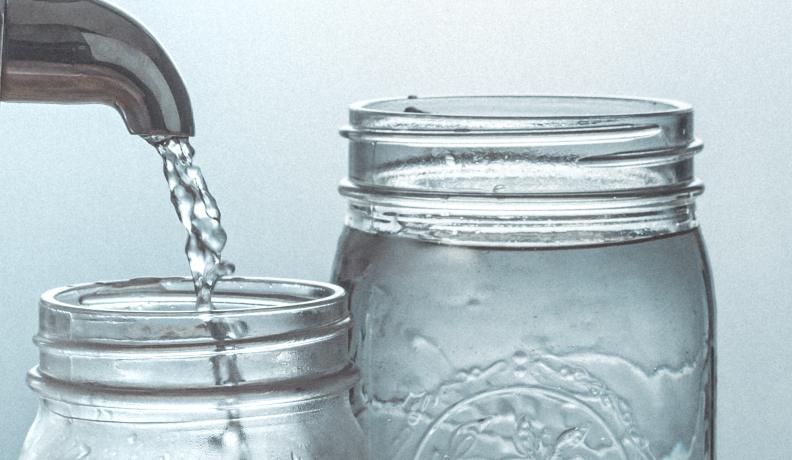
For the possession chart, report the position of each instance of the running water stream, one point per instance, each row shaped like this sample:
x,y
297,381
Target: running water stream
x,y
199,214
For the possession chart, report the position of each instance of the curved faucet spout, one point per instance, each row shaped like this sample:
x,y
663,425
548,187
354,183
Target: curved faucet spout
x,y
86,51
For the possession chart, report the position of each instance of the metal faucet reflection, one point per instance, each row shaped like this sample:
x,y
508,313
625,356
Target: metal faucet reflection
x,y
86,51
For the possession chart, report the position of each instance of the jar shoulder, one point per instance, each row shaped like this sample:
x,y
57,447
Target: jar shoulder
x,y
662,264
654,296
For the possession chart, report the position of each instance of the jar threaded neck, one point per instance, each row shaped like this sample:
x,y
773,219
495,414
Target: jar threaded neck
x,y
135,342
522,170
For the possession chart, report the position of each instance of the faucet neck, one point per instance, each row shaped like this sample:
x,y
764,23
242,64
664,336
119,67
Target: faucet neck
x,y
87,51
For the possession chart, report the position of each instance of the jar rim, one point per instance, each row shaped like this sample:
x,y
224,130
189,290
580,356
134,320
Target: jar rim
x,y
144,311
489,113
110,297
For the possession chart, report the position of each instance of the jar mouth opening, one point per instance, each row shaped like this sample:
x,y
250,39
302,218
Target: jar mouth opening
x,y
161,311
508,112
175,296
147,333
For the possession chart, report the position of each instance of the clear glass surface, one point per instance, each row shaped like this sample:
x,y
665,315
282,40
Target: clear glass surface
x,y
602,352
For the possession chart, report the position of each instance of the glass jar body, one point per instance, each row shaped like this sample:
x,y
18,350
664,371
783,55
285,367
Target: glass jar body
x,y
527,279
600,352
318,429
130,370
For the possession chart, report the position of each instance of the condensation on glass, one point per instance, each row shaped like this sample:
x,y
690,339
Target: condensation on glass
x,y
527,279
130,370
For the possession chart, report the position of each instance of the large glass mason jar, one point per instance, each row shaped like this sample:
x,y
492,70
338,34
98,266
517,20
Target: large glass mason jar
x,y
527,279
130,370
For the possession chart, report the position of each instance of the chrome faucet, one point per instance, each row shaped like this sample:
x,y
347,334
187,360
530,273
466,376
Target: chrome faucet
x,y
86,51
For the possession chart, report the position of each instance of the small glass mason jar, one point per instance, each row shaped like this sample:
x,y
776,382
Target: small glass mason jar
x,y
527,279
129,370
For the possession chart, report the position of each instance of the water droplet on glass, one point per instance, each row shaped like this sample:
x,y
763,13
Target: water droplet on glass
x,y
80,452
392,225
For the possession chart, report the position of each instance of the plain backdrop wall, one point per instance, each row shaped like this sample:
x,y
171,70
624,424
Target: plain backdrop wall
x,y
82,200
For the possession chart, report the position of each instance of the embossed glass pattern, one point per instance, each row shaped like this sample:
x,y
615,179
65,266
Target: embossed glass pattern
x,y
130,370
528,280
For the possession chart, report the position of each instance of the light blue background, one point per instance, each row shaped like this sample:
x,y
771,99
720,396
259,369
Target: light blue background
x,y
270,81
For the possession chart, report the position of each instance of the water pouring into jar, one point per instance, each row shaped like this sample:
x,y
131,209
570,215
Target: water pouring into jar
x,y
236,369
